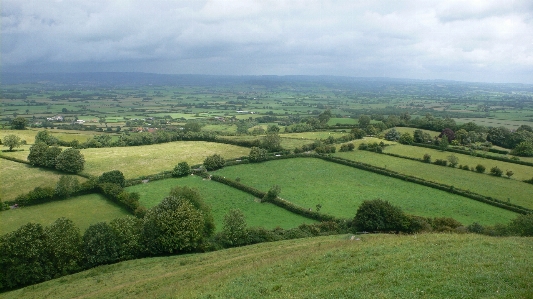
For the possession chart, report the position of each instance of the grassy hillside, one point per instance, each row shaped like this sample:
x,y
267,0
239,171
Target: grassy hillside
x,y
83,210
341,189
376,266
222,198
503,189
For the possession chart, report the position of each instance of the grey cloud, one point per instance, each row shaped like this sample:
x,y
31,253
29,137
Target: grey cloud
x,y
463,40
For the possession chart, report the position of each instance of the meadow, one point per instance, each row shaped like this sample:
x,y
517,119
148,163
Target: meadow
x,y
521,172
82,210
221,199
340,189
370,266
136,161
500,188
18,178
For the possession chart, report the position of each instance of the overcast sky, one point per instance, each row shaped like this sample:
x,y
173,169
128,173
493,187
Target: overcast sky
x,y
466,40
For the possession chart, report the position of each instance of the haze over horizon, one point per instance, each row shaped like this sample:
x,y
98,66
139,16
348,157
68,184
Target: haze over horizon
x,y
477,41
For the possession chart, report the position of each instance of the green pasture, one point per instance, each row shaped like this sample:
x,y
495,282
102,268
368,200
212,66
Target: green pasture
x,y
500,188
340,189
412,130
370,266
313,135
521,172
222,198
82,210
343,121
491,122
19,178
136,161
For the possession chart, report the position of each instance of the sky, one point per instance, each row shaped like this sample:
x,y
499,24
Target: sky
x,y
463,40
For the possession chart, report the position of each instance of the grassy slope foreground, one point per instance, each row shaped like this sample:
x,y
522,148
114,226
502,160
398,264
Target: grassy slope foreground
x,y
376,266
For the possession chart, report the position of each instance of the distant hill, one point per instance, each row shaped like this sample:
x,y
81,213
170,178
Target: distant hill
x,y
368,266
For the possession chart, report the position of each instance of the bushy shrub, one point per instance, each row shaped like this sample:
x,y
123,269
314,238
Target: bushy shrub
x,y
426,158
66,186
214,162
181,170
346,147
522,225
495,171
257,154
445,224
380,215
114,177
440,162
480,168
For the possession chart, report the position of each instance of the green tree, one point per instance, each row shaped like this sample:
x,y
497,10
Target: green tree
x,y
46,137
19,123
522,225
100,245
173,226
192,196
11,141
182,169
272,193
524,149
214,162
37,154
462,136
509,173
273,129
453,160
392,135
257,154
426,158
70,160
271,142
51,155
22,257
443,144
324,117
357,133
66,186
114,177
63,246
364,121
192,126
128,231
379,215
406,138
234,229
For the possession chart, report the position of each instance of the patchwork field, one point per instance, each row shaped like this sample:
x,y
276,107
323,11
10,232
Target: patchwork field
x,y
82,210
341,189
521,172
373,266
19,178
516,192
136,161
222,198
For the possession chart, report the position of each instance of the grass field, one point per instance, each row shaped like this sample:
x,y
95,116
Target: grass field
x,y
490,122
521,172
375,266
83,210
19,178
136,161
517,192
343,121
65,135
222,198
341,189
